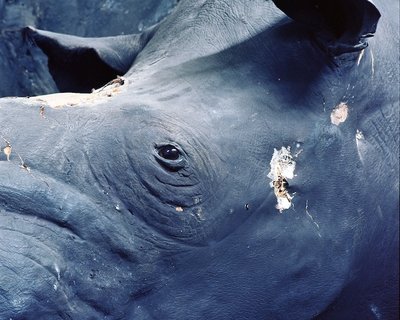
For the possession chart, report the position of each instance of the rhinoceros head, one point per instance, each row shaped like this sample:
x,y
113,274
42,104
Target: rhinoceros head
x,y
226,175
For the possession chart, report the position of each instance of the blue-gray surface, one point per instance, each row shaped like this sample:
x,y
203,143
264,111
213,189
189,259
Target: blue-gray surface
x,y
150,198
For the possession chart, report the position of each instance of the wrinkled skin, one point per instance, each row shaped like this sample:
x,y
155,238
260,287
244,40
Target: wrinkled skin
x,y
101,226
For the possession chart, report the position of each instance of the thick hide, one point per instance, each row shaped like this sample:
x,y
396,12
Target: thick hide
x,y
230,163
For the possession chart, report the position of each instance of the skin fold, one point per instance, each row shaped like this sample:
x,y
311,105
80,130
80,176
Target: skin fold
x,y
149,198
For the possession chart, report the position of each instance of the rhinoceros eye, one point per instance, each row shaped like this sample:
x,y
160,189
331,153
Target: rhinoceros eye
x,y
169,152
170,157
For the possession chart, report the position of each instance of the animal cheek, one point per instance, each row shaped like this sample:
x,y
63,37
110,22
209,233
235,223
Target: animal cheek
x,y
177,190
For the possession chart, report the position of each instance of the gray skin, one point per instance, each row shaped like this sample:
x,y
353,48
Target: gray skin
x,y
103,226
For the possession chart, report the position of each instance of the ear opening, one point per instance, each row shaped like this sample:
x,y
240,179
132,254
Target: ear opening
x,y
80,64
340,26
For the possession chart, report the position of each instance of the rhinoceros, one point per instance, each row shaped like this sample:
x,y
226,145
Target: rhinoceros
x,y
239,160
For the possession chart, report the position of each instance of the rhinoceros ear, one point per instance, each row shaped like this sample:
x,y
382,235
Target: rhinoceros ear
x,y
80,64
341,26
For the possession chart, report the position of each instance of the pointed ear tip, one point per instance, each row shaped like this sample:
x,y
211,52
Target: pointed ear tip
x,y
29,31
372,16
374,11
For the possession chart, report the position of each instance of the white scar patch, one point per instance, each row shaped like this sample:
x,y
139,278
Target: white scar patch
x,y
361,145
339,114
282,169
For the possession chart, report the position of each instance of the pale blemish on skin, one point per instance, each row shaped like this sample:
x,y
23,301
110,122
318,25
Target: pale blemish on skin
x,y
359,135
69,99
282,169
360,56
312,219
372,63
7,151
360,145
339,114
58,271
375,310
